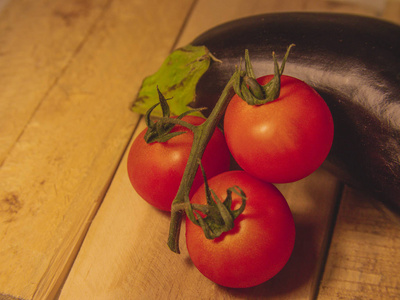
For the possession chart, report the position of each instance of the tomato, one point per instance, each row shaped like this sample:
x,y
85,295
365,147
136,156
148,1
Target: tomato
x,y
260,243
283,140
155,170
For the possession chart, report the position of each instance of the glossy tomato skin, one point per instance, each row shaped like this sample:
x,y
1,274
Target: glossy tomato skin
x,y
155,170
259,245
283,140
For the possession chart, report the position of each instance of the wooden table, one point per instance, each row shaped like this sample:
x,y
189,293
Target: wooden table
x,y
72,227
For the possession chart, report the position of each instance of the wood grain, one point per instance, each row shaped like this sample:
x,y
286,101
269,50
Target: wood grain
x,y
56,175
35,51
364,260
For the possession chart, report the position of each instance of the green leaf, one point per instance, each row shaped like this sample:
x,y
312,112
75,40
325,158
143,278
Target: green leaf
x,y
177,79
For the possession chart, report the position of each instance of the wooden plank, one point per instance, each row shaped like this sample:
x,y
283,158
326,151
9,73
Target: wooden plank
x,y
363,261
3,3
125,255
56,175
392,11
38,40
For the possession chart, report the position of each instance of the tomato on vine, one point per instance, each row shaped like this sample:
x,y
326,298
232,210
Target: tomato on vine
x,y
283,139
260,243
156,169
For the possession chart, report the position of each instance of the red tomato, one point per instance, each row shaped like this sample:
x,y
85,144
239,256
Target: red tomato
x,y
283,140
259,245
155,170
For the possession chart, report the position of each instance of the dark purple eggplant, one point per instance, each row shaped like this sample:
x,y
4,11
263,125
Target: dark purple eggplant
x,y
352,61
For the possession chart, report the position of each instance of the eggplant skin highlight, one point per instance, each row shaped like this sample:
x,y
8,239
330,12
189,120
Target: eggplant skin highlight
x,y
352,61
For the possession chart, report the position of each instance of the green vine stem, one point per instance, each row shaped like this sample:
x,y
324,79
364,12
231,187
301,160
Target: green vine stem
x,y
201,137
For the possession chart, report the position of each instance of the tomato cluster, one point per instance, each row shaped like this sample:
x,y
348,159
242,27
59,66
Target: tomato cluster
x,y
280,141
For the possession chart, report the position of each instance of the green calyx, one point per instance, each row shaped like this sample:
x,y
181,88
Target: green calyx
x,y
160,131
219,215
251,91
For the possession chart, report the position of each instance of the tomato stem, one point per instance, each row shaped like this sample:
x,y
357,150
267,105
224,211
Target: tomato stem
x,y
254,93
201,136
182,123
219,215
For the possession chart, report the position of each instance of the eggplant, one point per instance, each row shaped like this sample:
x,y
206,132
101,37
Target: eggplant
x,y
352,61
